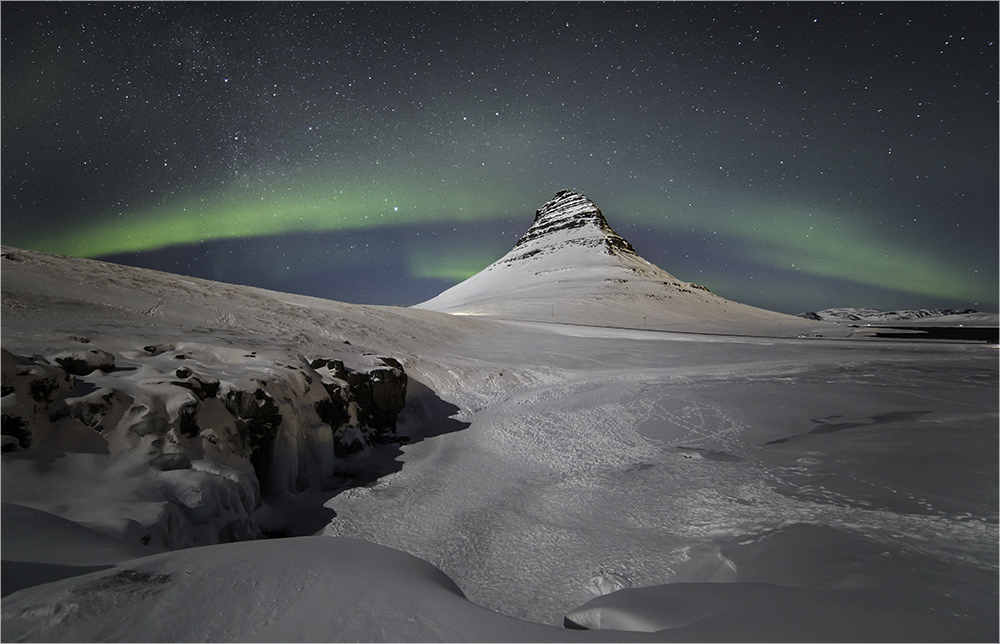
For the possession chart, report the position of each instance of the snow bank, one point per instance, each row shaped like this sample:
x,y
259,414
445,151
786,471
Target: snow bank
x,y
751,612
39,547
330,589
310,589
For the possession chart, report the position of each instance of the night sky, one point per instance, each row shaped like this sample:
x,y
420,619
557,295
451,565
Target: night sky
x,y
790,156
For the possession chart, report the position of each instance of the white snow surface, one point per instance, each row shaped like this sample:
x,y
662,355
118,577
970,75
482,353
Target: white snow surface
x,y
765,488
304,589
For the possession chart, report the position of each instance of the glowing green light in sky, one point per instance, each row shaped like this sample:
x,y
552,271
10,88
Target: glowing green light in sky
x,y
782,236
284,206
823,243
455,262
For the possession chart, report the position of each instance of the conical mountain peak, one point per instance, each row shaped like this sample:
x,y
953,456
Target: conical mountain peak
x,y
568,205
570,266
571,218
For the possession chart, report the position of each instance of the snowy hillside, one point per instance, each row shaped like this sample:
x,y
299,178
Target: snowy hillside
x,y
571,267
924,317
534,474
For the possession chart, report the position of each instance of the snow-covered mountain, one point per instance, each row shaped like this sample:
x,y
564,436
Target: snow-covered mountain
x,y
935,317
571,267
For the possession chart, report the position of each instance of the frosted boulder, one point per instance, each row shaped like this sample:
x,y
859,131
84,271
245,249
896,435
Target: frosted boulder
x,y
82,363
173,461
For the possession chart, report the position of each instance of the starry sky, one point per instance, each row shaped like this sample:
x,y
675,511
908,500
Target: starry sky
x,y
790,156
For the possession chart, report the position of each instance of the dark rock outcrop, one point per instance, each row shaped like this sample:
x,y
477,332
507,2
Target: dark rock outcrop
x,y
100,410
362,406
235,439
388,393
257,419
171,461
569,210
82,363
875,315
201,388
36,391
16,428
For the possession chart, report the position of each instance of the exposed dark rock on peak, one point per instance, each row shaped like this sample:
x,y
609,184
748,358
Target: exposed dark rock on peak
x,y
565,212
567,206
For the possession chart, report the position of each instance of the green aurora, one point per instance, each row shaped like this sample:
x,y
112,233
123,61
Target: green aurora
x,y
788,238
845,155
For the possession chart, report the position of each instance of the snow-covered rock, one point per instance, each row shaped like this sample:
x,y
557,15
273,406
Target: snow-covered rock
x,y
155,429
201,436
81,363
572,267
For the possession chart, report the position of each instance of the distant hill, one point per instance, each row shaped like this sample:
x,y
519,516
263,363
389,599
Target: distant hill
x,y
909,317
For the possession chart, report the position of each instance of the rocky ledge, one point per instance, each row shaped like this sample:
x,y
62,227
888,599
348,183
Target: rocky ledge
x,y
171,419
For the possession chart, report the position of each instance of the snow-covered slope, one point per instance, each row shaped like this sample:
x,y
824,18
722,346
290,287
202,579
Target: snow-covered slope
x,y
168,409
321,589
571,267
921,317
311,589
547,464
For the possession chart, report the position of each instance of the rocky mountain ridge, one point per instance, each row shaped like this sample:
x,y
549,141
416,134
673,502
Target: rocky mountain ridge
x,y
566,212
847,314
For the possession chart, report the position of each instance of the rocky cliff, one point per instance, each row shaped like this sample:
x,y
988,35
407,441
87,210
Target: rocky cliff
x,y
579,220
210,439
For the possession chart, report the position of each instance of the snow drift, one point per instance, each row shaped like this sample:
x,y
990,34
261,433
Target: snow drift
x,y
311,589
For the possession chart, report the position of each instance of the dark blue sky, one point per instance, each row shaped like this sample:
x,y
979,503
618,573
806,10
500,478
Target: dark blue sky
x,y
791,156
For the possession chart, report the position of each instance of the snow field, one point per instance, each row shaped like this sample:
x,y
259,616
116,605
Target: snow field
x,y
639,476
306,589
557,462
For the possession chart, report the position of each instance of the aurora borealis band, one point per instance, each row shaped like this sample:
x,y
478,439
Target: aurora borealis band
x,y
791,156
